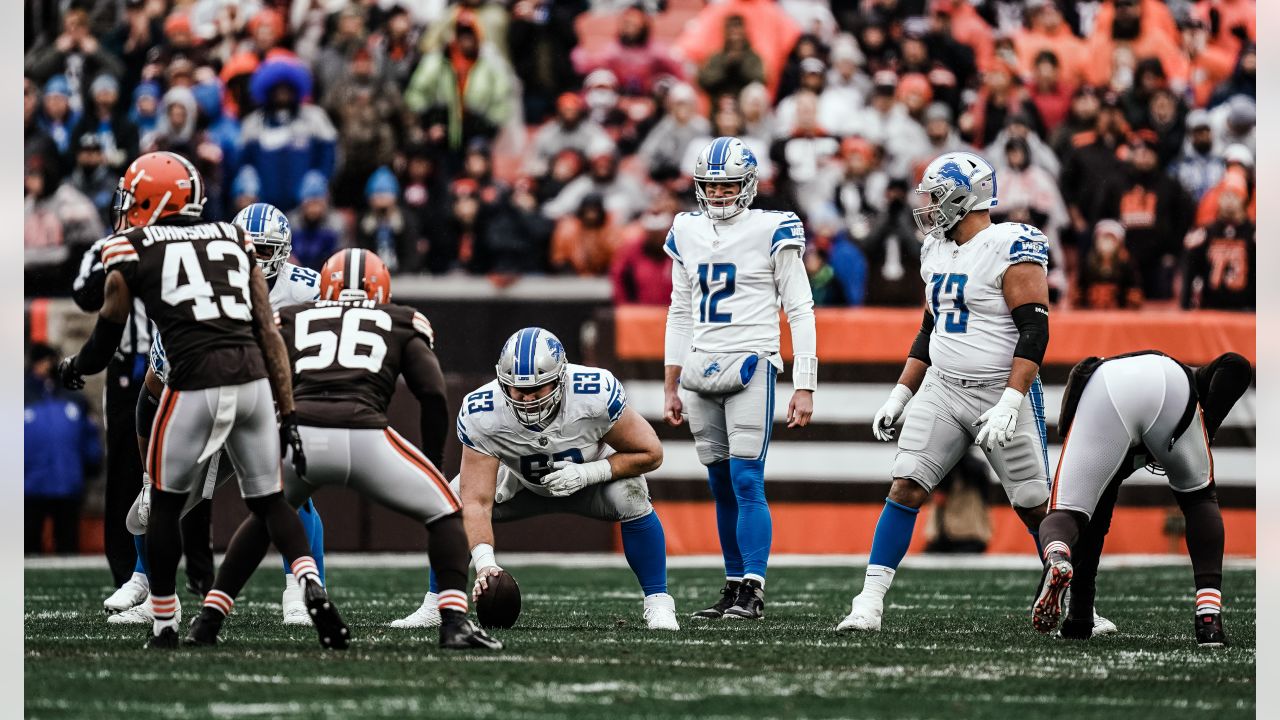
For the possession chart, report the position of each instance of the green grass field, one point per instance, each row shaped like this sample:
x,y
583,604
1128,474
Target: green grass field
x,y
957,644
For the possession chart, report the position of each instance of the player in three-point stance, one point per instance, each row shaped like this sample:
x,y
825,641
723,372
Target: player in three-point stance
x,y
973,368
733,267
209,299
549,436
1120,414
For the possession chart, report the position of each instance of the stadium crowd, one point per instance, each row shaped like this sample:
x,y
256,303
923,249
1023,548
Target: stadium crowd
x,y
539,137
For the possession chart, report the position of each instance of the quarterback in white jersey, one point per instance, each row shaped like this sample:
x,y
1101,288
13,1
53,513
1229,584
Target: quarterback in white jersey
x,y
973,369
734,267
548,436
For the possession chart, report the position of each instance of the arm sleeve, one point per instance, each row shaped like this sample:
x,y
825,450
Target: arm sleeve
x,y
797,302
422,373
679,316
88,287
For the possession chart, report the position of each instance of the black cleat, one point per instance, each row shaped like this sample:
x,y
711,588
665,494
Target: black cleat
x,y
205,628
1053,590
166,640
332,630
1076,628
728,595
459,633
1209,632
749,604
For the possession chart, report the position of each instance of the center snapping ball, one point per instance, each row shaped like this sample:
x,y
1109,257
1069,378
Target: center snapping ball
x,y
499,605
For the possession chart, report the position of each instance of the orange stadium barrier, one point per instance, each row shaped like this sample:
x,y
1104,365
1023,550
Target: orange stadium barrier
x,y
878,335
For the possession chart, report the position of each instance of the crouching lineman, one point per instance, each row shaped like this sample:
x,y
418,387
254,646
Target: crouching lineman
x,y
209,299
973,368
548,436
1120,414
732,268
347,350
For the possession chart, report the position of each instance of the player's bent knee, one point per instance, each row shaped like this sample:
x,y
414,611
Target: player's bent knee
x,y
908,491
1028,495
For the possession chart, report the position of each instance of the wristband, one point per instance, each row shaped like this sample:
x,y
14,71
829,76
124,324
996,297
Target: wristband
x,y
804,372
901,393
596,472
482,556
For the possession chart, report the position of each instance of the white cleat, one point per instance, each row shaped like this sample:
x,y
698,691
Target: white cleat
x,y
1103,626
140,615
129,595
426,616
660,612
292,607
865,616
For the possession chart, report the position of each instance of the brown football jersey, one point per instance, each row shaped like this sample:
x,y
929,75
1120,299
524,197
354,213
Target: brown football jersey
x,y
194,281
346,356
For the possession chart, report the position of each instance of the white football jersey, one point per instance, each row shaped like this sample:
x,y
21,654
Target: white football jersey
x,y
294,285
593,401
730,268
973,332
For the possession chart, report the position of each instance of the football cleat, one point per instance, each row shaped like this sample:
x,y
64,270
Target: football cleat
x,y
292,608
129,595
1049,602
332,630
660,612
865,615
1103,626
166,640
749,604
728,595
428,615
140,615
205,628
459,633
1209,632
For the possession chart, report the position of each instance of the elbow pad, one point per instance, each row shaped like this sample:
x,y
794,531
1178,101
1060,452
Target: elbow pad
x,y
1032,321
100,347
920,348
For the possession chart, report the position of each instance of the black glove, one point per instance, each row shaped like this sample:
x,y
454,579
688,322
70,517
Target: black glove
x,y
67,373
290,439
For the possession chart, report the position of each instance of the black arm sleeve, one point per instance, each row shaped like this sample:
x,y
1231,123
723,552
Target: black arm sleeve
x,y
100,347
145,414
1032,321
920,348
422,373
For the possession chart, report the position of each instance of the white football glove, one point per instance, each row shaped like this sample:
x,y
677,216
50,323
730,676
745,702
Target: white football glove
x,y
569,477
999,422
887,415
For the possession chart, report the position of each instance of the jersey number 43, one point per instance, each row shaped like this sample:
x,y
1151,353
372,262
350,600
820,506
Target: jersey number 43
x,y
182,259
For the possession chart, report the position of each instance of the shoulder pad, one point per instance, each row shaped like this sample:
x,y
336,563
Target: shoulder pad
x,y
422,326
1027,245
118,249
789,232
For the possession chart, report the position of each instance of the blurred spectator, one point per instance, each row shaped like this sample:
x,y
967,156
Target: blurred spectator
x,y
942,138
398,46
35,140
641,271
634,57
509,235
770,33
318,230
287,135
490,19
757,113
1198,167
836,267
570,129
542,36
93,177
969,33
384,227
61,449
885,122
1235,123
1238,162
854,187
56,217
915,93
179,131
368,113
1235,23
338,53
236,76
1047,33
566,167
1222,257
1080,123
624,196
1049,93
1141,28
998,100
1209,64
76,55
1022,127
934,57
465,87
1091,157
626,120
879,49
845,80
812,16
103,117
807,47
1167,117
584,243
735,66
892,250
833,113
57,119
1028,193
144,113
1109,278
246,189
664,148
1148,79
131,40
1243,81
223,131
802,157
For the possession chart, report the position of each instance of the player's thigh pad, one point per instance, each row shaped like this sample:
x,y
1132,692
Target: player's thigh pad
x,y
181,430
389,469
749,415
254,440
1096,445
932,439
1022,464
706,415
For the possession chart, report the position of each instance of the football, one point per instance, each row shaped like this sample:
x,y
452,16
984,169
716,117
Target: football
x,y
499,605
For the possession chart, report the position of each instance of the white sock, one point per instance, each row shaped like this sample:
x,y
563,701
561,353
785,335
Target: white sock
x,y
878,580
733,579
753,576
142,578
1208,601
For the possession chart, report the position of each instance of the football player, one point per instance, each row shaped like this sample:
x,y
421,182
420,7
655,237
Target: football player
x,y
733,266
1120,414
347,350
289,285
548,436
973,368
209,299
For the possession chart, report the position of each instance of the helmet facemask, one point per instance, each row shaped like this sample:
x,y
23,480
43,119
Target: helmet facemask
x,y
539,411
271,252
531,360
945,209
732,204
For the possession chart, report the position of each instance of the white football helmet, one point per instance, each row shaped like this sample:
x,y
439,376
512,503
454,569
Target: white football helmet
x,y
956,183
531,358
726,159
271,235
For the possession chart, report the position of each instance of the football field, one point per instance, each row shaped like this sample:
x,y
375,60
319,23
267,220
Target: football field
x,y
957,643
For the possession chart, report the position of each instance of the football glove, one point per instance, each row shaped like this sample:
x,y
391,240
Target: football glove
x,y
568,477
887,415
291,440
70,377
999,422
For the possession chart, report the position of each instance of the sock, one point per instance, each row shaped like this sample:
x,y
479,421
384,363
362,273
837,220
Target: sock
x,y
304,568
1057,546
893,535
453,600
245,552
433,582
164,542
448,553
1035,536
645,545
140,547
164,609
877,580
1208,601
719,478
755,526
1205,537
219,601
313,528
1060,530
141,577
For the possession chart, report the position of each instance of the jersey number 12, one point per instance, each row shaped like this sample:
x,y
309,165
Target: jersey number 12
x,y
708,307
